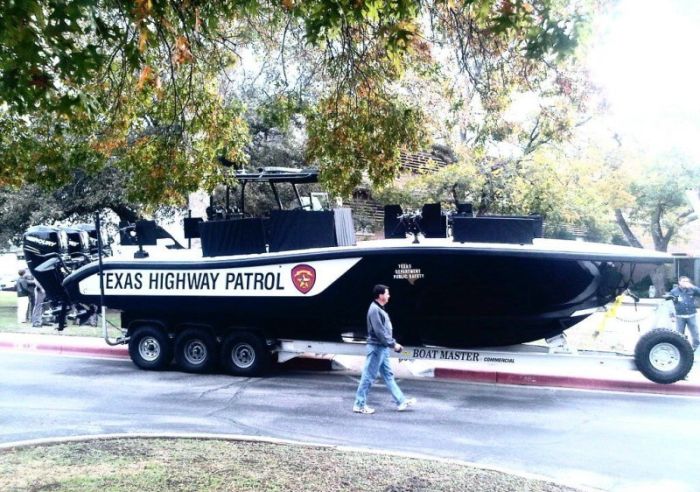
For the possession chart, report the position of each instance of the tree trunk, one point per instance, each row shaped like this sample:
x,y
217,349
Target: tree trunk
x,y
658,279
629,235
657,234
125,213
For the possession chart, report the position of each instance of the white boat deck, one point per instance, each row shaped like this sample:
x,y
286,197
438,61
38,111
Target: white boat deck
x,y
539,246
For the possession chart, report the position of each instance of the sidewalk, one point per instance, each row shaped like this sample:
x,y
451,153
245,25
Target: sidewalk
x,y
564,375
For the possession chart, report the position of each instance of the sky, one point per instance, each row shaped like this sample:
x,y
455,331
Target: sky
x,y
646,59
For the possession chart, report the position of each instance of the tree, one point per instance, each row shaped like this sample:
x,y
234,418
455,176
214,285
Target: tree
x,y
140,84
659,207
29,204
566,188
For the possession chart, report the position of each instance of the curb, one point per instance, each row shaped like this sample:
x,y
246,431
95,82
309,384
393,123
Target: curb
x,y
65,349
681,388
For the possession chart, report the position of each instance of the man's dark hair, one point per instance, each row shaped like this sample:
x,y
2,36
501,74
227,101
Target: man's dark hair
x,y
378,290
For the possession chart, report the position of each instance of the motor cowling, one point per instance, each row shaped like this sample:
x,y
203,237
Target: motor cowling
x,y
78,247
45,249
91,231
41,243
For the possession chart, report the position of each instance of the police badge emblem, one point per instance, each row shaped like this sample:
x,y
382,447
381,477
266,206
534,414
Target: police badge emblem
x,y
304,278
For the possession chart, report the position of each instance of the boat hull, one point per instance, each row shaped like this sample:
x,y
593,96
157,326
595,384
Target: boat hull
x,y
450,297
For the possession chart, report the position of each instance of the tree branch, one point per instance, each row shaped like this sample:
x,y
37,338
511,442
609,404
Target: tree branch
x,y
629,235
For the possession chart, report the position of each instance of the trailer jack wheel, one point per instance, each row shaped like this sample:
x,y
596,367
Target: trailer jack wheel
x,y
150,348
663,356
195,351
245,354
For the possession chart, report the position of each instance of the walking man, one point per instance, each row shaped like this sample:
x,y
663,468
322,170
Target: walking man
x,y
379,342
685,309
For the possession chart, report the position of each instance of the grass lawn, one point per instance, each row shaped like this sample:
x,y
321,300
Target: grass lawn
x,y
195,464
8,321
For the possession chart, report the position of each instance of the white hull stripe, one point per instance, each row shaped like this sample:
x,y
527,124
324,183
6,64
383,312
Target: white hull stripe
x,y
304,279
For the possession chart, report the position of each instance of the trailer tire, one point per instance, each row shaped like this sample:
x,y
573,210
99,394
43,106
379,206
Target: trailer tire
x,y
245,354
195,351
150,348
664,356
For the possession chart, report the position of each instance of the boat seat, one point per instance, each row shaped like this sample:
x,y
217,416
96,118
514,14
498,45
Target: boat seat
x,y
433,223
303,229
511,230
232,237
535,220
191,227
393,227
465,209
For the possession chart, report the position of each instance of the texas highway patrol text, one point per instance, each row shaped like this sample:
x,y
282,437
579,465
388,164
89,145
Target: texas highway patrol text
x,y
194,280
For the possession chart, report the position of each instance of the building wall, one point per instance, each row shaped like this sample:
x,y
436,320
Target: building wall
x,y
369,213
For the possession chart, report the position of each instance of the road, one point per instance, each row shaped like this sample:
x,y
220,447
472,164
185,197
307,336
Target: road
x,y
612,441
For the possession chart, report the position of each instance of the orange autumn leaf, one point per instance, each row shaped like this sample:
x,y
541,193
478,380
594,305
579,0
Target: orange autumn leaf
x,y
146,77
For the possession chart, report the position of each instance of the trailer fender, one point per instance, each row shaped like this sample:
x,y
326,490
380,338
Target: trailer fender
x,y
135,324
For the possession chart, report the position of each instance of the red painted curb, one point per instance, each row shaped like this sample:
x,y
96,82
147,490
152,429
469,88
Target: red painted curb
x,y
66,349
69,349
680,388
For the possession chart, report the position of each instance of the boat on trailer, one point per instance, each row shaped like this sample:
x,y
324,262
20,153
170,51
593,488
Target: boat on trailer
x,y
457,281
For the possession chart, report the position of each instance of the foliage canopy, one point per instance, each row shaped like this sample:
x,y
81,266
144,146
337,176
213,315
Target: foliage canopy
x,y
152,87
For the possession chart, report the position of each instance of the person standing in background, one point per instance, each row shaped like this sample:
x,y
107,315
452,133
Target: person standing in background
x,y
22,296
686,313
31,287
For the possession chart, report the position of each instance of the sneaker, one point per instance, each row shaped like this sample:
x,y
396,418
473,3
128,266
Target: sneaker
x,y
365,409
408,402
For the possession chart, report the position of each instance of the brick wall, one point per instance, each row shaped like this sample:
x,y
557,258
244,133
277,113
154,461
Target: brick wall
x,y
368,212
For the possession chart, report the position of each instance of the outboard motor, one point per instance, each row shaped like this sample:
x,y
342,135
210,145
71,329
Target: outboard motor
x,y
46,252
43,242
78,247
52,254
92,237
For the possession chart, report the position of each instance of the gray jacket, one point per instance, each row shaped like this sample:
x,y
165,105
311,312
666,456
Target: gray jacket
x,y
379,326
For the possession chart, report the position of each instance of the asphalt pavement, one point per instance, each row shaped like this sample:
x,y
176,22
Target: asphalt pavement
x,y
613,373
613,441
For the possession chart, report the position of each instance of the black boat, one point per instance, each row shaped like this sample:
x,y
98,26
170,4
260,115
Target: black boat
x,y
455,295
300,274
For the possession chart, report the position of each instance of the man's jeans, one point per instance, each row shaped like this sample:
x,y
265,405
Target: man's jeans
x,y
377,362
692,324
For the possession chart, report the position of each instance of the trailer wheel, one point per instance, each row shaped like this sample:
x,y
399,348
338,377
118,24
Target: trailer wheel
x,y
245,354
150,348
663,356
195,351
